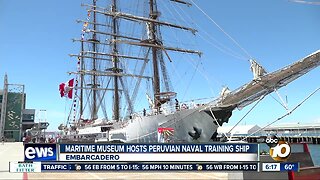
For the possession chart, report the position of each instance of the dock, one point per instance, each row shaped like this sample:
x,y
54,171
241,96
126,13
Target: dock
x,y
292,133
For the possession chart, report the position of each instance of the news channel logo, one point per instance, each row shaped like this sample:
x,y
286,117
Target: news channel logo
x,y
280,150
40,152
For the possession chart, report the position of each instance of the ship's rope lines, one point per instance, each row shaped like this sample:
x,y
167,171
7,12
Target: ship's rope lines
x,y
204,74
99,80
222,30
86,79
180,78
85,62
126,64
281,103
171,43
137,84
189,84
261,97
284,104
108,64
190,58
285,115
160,54
103,64
188,55
103,107
218,44
181,44
87,101
69,114
197,68
140,51
102,102
66,120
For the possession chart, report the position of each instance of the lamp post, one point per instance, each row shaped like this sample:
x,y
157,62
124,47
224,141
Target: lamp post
x,y
41,119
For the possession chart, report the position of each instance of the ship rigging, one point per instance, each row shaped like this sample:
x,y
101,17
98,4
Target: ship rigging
x,y
112,66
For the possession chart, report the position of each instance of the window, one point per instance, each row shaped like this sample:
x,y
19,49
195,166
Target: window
x,y
118,136
28,117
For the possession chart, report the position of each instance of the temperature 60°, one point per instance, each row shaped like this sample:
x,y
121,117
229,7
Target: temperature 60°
x,y
288,166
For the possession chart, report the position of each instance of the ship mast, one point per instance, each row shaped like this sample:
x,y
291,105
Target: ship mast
x,y
108,64
156,80
116,113
81,80
94,68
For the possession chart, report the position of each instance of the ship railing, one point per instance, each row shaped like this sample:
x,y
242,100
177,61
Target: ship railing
x,y
103,122
172,107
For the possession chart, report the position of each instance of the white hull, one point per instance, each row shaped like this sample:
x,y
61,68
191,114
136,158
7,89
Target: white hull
x,y
144,129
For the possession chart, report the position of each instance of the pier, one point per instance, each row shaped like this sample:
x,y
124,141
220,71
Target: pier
x,y
289,139
292,133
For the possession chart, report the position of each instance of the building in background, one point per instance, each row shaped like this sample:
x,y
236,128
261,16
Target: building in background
x,y
28,117
15,118
295,129
240,130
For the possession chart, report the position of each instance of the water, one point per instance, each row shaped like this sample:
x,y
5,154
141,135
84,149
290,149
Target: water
x,y
315,153
313,148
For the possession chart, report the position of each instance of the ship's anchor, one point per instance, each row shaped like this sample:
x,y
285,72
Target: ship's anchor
x,y
196,133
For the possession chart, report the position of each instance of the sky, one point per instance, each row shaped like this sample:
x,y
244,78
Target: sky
x,y
36,40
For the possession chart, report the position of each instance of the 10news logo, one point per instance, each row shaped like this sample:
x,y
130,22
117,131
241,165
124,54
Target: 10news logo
x,y
280,150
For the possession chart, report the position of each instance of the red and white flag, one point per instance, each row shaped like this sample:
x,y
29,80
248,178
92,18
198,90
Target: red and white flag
x,y
66,88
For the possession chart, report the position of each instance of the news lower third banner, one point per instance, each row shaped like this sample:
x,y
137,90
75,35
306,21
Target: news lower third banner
x,y
19,167
159,152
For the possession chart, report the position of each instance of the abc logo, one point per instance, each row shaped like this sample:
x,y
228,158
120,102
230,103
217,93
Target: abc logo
x,y
272,141
280,150
40,152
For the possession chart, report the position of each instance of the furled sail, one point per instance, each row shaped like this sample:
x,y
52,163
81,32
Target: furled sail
x,y
267,83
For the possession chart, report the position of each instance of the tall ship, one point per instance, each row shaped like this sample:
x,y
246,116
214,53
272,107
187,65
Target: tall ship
x,y
121,89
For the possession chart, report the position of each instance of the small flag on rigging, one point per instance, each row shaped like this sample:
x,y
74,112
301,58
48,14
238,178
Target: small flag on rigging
x,y
66,89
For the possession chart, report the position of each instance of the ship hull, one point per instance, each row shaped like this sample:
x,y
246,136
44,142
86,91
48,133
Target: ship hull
x,y
189,125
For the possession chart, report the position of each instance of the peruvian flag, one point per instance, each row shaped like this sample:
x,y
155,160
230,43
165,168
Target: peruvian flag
x,y
66,88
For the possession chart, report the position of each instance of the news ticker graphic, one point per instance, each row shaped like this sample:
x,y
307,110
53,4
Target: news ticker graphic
x,y
159,152
19,167
278,167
